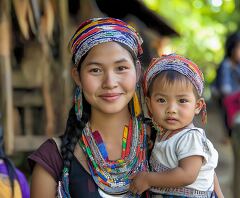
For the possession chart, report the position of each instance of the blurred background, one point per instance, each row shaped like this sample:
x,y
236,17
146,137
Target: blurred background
x,y
35,82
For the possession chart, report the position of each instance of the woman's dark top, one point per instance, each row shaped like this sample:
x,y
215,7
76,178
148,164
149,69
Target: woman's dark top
x,y
80,181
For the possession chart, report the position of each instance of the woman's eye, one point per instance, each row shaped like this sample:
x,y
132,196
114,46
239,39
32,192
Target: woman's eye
x,y
161,100
122,68
183,100
95,70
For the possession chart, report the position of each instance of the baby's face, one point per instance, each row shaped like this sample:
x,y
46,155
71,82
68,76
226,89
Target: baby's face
x,y
173,106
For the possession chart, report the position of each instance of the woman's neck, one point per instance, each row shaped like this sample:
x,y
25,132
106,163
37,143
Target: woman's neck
x,y
109,124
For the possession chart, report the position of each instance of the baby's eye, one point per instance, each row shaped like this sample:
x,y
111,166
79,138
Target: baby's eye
x,y
183,100
161,100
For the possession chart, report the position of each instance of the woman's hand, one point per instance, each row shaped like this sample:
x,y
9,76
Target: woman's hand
x,y
139,183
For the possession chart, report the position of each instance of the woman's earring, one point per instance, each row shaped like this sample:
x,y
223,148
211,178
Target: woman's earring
x,y
136,105
78,103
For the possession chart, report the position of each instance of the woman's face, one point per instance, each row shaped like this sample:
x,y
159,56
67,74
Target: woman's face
x,y
108,78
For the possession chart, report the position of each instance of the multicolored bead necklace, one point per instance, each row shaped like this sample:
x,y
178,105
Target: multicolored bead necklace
x,y
112,175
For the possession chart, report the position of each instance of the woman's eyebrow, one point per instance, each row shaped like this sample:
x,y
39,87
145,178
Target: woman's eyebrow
x,y
121,60
98,63
93,63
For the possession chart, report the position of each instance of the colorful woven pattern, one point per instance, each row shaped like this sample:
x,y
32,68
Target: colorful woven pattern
x,y
112,176
99,30
176,63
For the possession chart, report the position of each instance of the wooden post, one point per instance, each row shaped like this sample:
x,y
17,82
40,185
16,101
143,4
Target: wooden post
x,y
65,56
6,76
45,33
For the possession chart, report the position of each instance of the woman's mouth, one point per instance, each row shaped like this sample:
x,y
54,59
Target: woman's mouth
x,y
110,97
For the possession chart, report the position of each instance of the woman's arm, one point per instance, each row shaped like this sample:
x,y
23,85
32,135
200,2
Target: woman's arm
x,y
217,187
42,183
183,175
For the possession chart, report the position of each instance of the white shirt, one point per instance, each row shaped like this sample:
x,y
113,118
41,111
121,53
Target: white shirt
x,y
188,142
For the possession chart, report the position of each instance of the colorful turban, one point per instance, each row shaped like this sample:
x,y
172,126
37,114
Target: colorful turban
x,y
176,63
99,30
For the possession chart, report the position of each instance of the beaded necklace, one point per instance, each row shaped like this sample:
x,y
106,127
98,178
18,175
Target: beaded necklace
x,y
112,175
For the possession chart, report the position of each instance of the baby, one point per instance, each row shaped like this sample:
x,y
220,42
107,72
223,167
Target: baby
x,y
183,159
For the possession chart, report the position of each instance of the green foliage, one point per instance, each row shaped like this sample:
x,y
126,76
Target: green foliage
x,y
203,26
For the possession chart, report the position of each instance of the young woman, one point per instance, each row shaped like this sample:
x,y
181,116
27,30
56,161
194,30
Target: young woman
x,y
105,140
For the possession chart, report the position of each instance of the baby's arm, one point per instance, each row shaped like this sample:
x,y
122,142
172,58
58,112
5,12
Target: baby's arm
x,y
183,175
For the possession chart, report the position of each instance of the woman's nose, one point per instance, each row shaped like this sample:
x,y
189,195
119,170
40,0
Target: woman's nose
x,y
109,81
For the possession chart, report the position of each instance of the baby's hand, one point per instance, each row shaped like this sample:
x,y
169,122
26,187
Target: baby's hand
x,y
139,183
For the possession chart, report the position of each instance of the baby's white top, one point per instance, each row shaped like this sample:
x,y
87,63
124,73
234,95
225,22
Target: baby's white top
x,y
188,142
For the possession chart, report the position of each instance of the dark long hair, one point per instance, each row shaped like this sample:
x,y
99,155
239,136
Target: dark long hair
x,y
11,170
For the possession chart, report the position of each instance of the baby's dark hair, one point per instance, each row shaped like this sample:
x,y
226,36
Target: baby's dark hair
x,y
169,77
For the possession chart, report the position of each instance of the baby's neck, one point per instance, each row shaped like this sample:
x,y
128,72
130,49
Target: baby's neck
x,y
166,134
191,125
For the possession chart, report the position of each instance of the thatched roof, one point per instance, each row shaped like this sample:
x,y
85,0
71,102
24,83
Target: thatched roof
x,y
120,8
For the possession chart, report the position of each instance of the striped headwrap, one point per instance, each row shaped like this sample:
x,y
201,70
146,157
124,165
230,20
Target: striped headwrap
x,y
176,63
99,30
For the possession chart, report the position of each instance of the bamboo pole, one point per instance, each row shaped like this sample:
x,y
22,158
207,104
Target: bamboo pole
x,y
47,95
46,88
65,56
6,76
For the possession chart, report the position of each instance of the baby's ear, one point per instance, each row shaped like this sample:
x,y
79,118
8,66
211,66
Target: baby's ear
x,y
199,105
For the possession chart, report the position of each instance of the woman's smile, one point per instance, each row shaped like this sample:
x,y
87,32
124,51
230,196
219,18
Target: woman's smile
x,y
110,97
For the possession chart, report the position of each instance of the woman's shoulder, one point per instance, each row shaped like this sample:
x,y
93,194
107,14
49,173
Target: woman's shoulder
x,y
48,156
